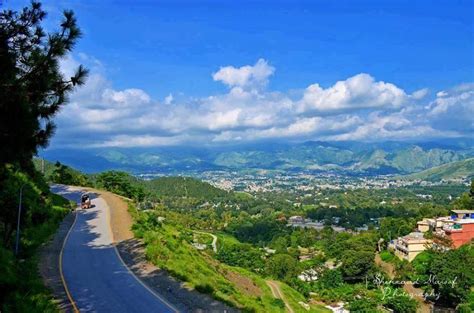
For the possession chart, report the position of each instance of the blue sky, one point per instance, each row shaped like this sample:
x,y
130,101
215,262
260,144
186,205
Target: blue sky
x,y
381,52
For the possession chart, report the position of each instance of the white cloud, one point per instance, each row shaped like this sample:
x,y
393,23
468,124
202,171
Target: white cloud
x,y
169,99
127,97
247,76
125,141
358,108
453,110
359,91
420,94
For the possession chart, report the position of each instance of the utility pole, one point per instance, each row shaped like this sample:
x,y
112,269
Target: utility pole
x,y
42,166
17,243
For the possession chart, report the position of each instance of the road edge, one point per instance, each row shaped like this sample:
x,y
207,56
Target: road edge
x,y
131,252
49,264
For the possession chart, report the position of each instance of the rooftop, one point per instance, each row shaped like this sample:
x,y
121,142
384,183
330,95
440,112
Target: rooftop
x,y
465,221
463,211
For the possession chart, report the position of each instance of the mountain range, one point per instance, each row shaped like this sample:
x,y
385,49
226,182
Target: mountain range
x,y
351,158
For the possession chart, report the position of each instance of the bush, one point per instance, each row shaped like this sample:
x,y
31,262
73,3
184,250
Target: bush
x,y
278,303
401,303
204,288
21,289
386,256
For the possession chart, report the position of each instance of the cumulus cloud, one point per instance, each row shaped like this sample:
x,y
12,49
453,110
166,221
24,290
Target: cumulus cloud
x,y
420,94
356,92
357,108
127,97
248,76
169,99
454,109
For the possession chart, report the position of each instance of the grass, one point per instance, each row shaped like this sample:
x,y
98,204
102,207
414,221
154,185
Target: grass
x,y
293,298
203,238
20,284
387,256
168,248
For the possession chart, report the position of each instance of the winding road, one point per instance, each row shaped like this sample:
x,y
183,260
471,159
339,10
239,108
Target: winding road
x,y
93,273
214,239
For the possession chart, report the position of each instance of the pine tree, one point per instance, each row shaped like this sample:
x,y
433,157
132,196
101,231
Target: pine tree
x,y
32,87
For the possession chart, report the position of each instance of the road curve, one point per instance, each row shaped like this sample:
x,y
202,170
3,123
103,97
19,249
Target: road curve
x,y
96,278
214,239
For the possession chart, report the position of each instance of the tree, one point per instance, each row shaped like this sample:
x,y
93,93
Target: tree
x,y
63,174
452,275
357,264
282,266
32,87
401,303
331,279
121,183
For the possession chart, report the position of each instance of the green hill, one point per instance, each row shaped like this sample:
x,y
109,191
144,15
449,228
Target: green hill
x,y
459,169
183,187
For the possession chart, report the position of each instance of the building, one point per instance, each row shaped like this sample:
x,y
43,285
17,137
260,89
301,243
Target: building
x,y
409,246
296,219
452,231
337,307
425,225
309,275
462,214
458,233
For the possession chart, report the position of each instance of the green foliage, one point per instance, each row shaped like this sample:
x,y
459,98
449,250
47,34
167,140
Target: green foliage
x,y
21,289
366,305
121,183
452,274
387,256
261,230
238,254
466,201
401,303
459,169
33,89
282,266
391,228
168,247
63,174
145,222
357,264
330,279
464,308
183,187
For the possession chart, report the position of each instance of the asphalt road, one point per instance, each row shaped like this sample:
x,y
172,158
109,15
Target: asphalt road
x,y
96,277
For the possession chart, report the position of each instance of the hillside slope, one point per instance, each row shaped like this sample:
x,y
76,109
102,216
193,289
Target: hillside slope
x,y
459,169
350,158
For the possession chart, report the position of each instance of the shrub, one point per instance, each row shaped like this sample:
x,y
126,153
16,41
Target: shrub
x,y
204,288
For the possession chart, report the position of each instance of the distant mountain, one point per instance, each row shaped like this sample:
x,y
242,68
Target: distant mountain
x,y
345,157
459,169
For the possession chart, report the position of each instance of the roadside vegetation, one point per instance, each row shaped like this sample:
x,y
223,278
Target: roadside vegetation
x,y
255,244
32,91
21,287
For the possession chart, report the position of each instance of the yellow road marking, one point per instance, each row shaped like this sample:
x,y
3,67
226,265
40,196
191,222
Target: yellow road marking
x,y
73,303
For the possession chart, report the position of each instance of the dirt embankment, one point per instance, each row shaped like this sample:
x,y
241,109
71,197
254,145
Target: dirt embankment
x,y
132,252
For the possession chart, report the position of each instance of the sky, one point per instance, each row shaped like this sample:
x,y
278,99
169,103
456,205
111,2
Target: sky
x,y
220,72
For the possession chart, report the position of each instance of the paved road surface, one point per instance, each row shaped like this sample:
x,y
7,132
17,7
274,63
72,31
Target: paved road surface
x,y
96,278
